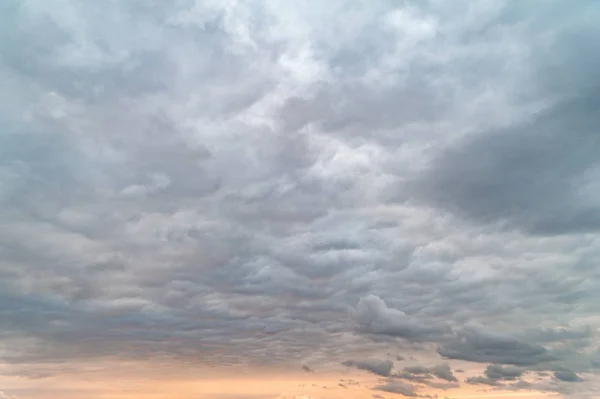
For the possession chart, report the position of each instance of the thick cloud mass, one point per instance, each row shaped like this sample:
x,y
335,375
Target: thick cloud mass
x,y
269,183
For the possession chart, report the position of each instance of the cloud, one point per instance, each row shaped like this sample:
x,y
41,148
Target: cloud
x,y
441,371
505,174
444,372
520,385
378,367
374,316
595,362
399,388
499,372
417,370
497,376
273,184
508,177
307,369
443,385
567,375
414,377
475,344
425,375
482,381
560,334
500,385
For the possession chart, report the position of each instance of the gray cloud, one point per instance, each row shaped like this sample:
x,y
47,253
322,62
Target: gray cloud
x,y
398,387
478,345
499,372
560,334
502,386
511,175
420,378
443,385
595,362
482,381
374,316
567,375
496,375
425,375
441,371
417,370
379,367
288,184
444,372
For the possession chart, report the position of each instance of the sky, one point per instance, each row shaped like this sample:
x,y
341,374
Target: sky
x,y
266,199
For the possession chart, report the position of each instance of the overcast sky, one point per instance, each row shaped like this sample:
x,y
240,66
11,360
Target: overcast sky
x,y
406,192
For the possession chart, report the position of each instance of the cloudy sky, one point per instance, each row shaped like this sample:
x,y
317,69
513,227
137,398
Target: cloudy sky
x,y
262,199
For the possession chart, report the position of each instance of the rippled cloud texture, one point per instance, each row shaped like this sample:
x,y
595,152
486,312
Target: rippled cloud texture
x,y
402,189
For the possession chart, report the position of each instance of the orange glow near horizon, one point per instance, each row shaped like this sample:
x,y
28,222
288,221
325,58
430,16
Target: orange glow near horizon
x,y
220,385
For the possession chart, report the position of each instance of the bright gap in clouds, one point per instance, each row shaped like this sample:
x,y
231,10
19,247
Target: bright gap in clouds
x,y
350,198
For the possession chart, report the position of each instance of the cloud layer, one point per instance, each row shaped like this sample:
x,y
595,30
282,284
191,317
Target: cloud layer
x,y
269,183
